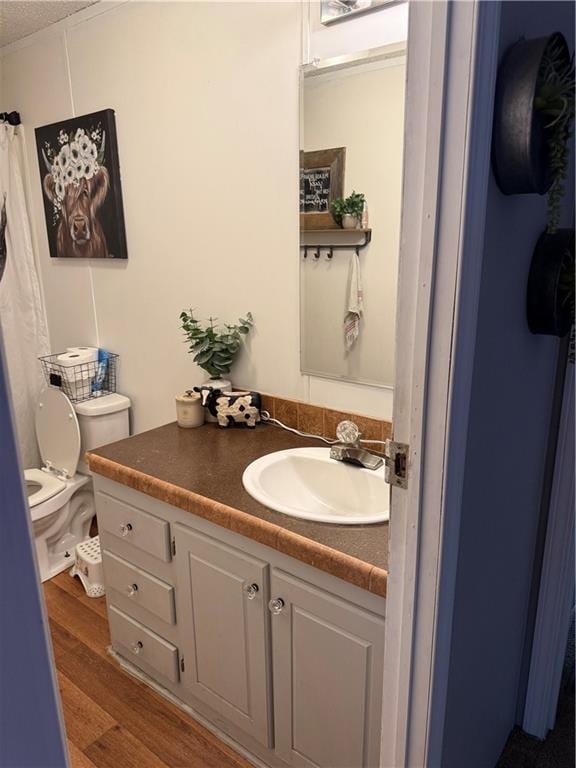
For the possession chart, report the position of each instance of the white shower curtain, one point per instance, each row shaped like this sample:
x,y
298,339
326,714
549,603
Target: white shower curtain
x,y
22,313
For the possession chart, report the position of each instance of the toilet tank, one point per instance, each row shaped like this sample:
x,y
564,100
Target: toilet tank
x,y
102,420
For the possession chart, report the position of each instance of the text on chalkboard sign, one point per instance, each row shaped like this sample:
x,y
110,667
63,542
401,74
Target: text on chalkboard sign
x,y
315,185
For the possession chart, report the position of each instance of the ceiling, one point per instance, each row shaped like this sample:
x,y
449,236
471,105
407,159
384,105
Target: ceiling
x,y
19,18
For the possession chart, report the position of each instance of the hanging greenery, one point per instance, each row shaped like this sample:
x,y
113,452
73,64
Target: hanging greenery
x,y
554,99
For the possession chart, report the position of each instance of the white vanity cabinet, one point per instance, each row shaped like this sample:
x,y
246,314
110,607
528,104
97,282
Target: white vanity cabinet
x,y
327,657
222,603
284,659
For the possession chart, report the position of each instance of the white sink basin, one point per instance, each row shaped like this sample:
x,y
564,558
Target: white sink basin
x,y
307,483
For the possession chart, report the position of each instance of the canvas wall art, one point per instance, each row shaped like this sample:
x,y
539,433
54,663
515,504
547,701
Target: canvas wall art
x,y
80,175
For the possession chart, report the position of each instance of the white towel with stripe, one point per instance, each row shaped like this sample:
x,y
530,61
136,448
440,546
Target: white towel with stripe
x,y
355,303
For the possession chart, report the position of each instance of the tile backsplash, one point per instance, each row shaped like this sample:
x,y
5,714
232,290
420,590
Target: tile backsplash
x,y
317,420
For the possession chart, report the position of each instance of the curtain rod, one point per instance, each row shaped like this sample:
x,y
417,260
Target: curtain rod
x,y
12,118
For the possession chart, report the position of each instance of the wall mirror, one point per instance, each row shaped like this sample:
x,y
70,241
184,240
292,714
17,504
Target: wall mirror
x,y
351,141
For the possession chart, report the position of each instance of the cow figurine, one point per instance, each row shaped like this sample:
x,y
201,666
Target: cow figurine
x,y
231,408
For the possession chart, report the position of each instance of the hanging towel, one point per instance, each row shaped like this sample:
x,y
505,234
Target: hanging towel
x,y
355,303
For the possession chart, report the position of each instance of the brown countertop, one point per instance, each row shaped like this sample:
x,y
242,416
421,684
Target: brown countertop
x,y
200,471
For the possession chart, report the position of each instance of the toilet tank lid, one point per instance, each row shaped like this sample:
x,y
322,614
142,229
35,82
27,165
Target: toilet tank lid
x,y
100,406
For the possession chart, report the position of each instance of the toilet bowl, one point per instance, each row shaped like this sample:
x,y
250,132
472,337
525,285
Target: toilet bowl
x,y
60,499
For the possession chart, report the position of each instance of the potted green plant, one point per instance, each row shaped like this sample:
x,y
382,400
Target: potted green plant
x,y
214,347
550,291
347,212
551,279
533,109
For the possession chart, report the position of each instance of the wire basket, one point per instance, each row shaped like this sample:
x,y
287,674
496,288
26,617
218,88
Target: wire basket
x,y
83,381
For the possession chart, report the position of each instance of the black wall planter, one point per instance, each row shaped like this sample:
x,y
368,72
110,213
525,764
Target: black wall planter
x,y
520,154
547,308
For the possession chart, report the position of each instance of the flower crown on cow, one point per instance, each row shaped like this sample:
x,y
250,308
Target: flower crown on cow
x,y
79,156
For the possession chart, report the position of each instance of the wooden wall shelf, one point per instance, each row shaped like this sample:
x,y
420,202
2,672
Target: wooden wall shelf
x,y
314,241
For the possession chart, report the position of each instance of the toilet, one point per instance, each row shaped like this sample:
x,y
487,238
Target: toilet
x,y
60,496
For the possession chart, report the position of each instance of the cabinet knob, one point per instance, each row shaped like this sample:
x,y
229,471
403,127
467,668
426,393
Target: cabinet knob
x,y
251,591
276,605
137,647
131,589
125,528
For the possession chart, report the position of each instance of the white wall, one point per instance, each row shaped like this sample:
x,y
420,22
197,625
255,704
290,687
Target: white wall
x,y
206,99
361,109
514,379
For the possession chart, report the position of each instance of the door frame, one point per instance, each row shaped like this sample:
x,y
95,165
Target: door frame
x,y
29,684
451,75
556,591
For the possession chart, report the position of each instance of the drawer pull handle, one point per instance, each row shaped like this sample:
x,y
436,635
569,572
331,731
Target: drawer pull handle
x,y
125,528
276,605
132,589
137,647
251,591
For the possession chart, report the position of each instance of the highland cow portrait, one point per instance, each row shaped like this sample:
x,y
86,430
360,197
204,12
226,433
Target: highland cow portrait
x,y
80,175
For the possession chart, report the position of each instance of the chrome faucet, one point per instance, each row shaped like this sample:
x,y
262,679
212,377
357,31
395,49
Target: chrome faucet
x,y
349,449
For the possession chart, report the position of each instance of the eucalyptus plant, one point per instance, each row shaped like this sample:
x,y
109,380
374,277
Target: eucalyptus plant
x,y
353,204
214,347
554,98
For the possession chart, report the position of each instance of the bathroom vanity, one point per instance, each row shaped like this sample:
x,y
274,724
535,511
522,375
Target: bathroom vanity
x,y
267,628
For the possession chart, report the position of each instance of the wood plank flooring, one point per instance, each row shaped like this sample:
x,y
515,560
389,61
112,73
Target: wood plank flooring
x,y
113,720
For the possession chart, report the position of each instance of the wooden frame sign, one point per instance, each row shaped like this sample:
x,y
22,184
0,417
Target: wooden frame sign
x,y
321,182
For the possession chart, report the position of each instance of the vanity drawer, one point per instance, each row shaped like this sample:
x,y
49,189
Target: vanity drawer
x,y
133,525
145,647
139,587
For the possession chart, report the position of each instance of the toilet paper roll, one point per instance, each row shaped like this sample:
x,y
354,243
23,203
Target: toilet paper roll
x,y
79,371
92,351
68,359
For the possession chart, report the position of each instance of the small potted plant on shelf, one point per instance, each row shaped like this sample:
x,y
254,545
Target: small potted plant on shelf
x,y
347,212
214,347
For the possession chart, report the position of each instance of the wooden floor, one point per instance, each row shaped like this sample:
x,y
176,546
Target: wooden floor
x,y
113,720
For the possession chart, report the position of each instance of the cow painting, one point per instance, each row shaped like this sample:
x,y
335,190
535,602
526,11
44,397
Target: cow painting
x,y
79,233
81,186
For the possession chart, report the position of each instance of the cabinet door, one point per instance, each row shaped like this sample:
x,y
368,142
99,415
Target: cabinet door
x,y
221,597
327,661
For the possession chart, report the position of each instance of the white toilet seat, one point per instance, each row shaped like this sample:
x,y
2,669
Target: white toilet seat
x,y
49,484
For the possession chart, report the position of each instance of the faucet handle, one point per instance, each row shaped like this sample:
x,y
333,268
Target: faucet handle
x,y
348,432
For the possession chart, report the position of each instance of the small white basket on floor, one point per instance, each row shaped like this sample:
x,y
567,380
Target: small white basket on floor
x,y
88,567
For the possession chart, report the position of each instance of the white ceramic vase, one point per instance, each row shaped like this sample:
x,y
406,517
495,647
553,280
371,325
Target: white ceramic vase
x,y
349,221
224,384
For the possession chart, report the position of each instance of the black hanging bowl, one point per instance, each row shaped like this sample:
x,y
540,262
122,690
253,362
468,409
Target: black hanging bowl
x,y
548,311
520,152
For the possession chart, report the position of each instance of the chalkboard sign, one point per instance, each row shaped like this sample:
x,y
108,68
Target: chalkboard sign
x,y
315,190
321,182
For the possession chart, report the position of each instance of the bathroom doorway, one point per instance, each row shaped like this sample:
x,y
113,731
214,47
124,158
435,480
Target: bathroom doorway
x,y
452,59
